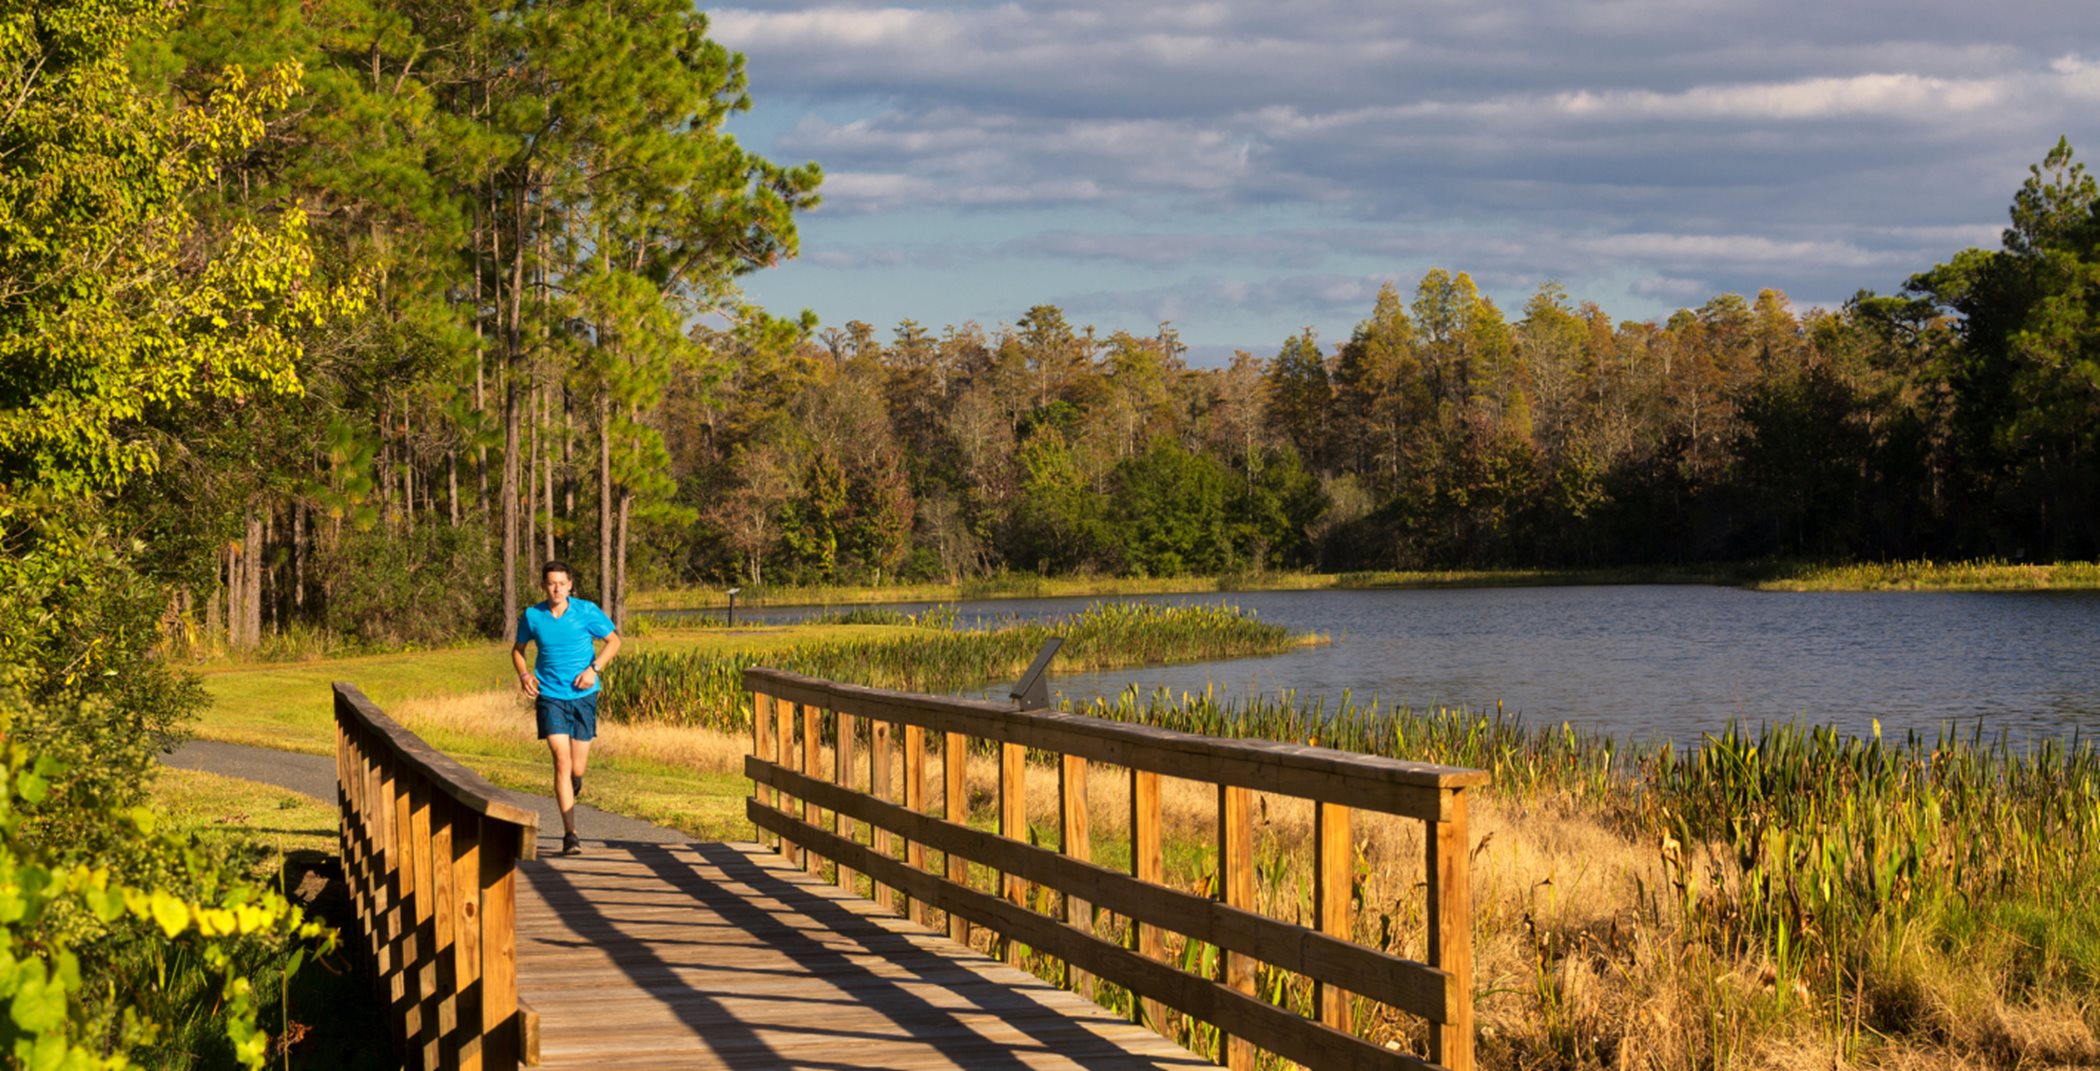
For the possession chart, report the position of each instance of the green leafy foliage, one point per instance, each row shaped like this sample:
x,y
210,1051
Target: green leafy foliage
x,y
76,622
108,316
156,954
424,587
123,314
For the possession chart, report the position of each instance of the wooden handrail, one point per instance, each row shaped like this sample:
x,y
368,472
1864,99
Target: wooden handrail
x,y
820,825
430,852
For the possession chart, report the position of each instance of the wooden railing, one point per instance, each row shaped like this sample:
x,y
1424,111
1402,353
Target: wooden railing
x,y
860,832
430,852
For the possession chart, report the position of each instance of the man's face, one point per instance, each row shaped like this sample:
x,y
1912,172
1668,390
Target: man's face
x,y
557,585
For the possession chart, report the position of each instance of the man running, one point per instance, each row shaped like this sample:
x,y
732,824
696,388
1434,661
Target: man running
x,y
563,682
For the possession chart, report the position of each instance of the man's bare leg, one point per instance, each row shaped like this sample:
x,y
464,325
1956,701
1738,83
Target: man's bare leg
x,y
561,747
579,761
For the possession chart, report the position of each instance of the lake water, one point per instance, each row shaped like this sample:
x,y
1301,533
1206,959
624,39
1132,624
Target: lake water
x,y
1655,662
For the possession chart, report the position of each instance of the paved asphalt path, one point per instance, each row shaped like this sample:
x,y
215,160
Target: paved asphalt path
x,y
314,775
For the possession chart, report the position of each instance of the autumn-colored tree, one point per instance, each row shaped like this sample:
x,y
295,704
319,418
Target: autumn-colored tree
x,y
1301,396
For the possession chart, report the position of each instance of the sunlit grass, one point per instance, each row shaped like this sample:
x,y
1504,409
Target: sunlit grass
x,y
705,687
1031,586
1985,575
215,807
289,706
1927,575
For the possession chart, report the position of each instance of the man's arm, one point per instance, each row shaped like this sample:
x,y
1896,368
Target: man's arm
x,y
527,682
603,658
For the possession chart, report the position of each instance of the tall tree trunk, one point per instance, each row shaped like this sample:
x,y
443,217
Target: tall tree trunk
x,y
452,484
251,584
541,408
481,450
605,496
221,621
568,471
619,599
511,417
382,464
273,585
532,478
547,483
408,479
299,559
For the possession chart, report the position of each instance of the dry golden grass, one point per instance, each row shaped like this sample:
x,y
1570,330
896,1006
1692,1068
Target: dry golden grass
x,y
506,717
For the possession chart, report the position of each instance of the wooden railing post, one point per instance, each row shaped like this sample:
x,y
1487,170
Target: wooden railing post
x,y
499,946
1013,824
762,744
915,801
419,957
879,787
468,933
955,765
784,738
444,924
813,765
1147,864
1451,932
842,776
400,941
1334,878
1236,888
1074,838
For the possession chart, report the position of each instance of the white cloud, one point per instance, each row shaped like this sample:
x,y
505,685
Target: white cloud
x,y
1730,249
1655,148
836,27
870,191
1894,96
2081,76
1672,288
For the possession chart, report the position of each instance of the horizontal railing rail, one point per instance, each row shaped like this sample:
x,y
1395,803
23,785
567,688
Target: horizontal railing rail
x,y
818,812
430,852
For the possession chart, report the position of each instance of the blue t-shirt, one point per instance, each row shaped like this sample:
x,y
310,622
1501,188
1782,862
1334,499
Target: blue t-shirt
x,y
565,644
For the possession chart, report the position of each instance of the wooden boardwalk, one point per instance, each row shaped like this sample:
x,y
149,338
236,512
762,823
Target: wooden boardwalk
x,y
728,955
723,956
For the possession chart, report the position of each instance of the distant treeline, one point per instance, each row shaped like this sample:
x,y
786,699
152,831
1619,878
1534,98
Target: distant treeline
x,y
546,222
1958,417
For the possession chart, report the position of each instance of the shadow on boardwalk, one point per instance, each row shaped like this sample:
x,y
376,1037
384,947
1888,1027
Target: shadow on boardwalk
x,y
721,955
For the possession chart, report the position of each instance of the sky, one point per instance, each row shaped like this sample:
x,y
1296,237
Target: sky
x,y
1246,169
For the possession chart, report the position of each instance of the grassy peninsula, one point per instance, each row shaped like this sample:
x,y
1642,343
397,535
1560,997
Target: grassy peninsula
x,y
1914,575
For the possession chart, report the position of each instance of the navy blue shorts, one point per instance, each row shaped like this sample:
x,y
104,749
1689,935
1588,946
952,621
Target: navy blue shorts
x,y
576,719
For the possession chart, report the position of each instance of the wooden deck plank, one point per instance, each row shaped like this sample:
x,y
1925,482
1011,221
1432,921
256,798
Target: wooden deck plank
x,y
725,955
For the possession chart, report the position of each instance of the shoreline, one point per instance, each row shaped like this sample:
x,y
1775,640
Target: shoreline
x,y
1922,575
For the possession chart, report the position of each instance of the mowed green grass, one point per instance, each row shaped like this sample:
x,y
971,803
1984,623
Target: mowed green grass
x,y
464,702
290,706
215,807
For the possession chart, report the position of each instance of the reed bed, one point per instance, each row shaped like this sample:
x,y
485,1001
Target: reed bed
x,y
995,586
706,688
1988,574
1787,896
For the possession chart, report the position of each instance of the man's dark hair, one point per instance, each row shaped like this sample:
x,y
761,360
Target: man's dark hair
x,y
556,565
